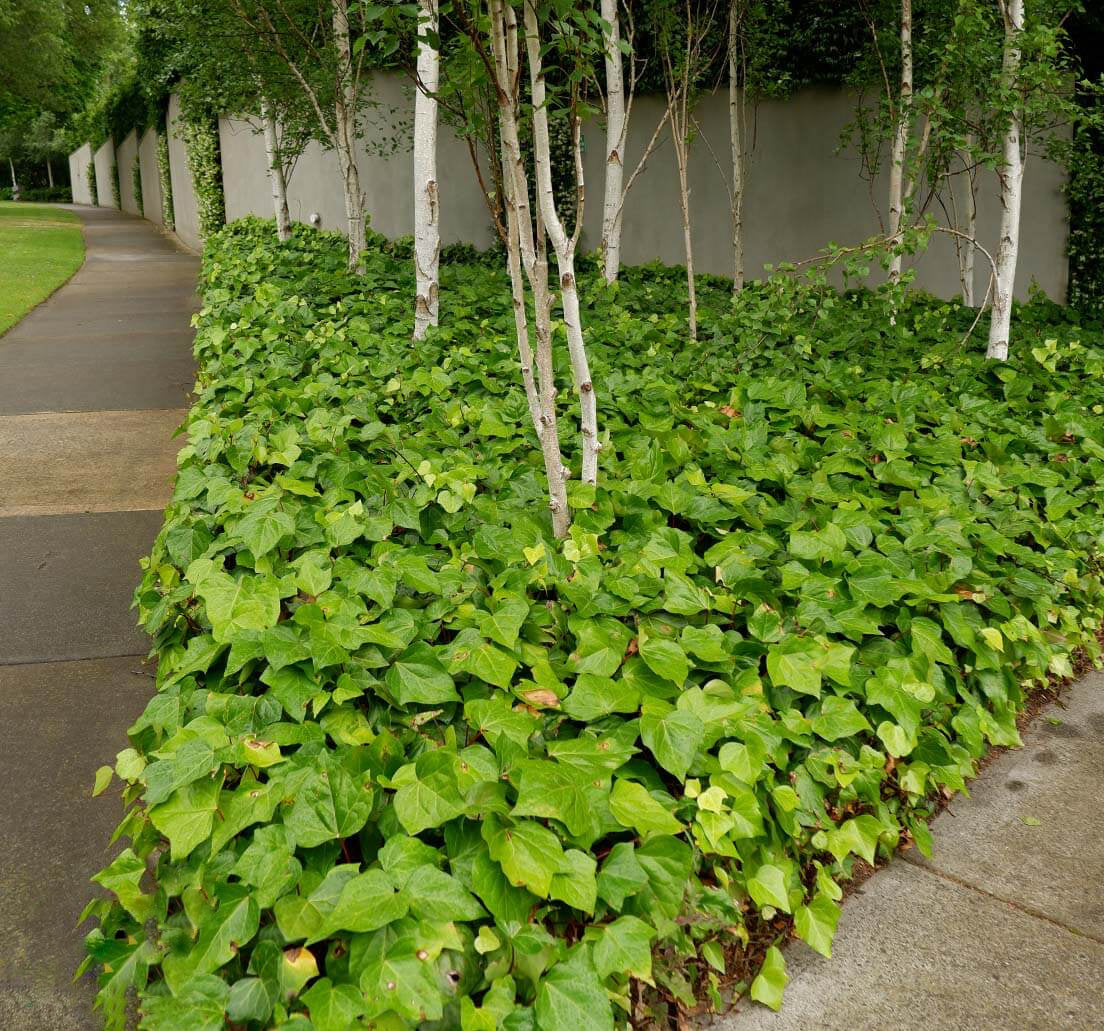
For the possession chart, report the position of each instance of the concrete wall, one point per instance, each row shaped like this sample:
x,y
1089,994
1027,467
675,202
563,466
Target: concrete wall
x,y
79,162
385,174
125,154
185,210
104,160
151,177
803,193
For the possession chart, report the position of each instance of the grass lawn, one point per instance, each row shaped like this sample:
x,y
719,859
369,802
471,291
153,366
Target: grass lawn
x,y
42,247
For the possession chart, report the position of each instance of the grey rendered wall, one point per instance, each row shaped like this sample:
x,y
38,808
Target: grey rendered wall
x,y
803,193
124,155
185,210
151,177
104,159
385,174
79,161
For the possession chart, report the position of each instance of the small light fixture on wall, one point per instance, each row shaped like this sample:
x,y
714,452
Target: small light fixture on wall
x,y
315,219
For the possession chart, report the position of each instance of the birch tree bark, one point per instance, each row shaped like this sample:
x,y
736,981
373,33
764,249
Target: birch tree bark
x,y
1010,175
49,173
562,244
276,172
345,99
736,138
902,128
427,230
525,248
969,247
616,136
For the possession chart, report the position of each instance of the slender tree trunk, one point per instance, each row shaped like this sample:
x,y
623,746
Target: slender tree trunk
x,y
15,185
1010,175
276,173
522,249
902,129
616,134
969,248
736,138
427,230
49,173
564,248
682,160
345,132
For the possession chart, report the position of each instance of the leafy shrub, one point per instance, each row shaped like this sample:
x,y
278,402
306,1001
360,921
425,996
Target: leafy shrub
x,y
46,193
412,762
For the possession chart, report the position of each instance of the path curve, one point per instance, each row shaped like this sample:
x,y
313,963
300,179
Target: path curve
x,y
92,386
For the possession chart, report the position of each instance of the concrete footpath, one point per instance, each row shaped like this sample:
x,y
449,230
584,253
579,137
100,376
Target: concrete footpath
x,y
92,386
1002,928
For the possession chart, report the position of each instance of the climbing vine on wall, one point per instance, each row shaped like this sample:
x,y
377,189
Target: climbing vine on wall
x,y
90,175
167,213
136,179
1085,193
200,137
116,191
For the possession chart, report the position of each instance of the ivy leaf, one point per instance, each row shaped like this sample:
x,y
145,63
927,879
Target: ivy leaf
x,y
433,797
625,947
793,663
767,887
262,529
666,659
470,653
555,791
437,896
621,875
367,902
417,676
504,624
838,718
530,855
333,1007
188,817
816,922
575,884
674,739
771,981
328,802
632,806
221,933
571,996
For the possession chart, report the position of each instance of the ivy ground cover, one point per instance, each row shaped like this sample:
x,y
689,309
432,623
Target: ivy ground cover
x,y
412,762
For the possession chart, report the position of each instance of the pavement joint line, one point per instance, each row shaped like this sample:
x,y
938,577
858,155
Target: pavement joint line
x,y
12,663
1030,911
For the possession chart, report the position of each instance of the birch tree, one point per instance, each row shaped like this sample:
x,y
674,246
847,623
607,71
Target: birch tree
x,y
737,119
1010,176
427,230
315,44
902,118
685,33
563,245
276,175
526,247
618,98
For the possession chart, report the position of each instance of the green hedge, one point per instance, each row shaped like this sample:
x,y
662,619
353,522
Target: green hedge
x,y
413,761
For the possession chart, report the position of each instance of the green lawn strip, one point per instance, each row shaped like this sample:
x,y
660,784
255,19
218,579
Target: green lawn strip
x,y
42,246
413,760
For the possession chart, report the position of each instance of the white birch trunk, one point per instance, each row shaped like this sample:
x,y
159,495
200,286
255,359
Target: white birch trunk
x,y
736,138
521,249
276,172
345,133
969,249
1010,175
49,173
565,251
682,158
427,230
616,134
900,139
